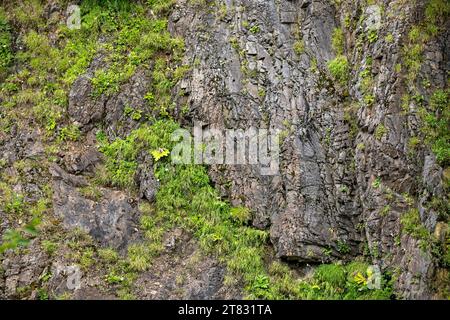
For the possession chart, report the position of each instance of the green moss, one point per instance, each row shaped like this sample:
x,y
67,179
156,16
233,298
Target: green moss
x,y
435,14
6,54
299,47
385,211
367,85
70,132
412,225
121,154
339,69
361,146
49,247
121,162
161,6
372,36
29,13
435,122
262,93
376,183
369,100
332,273
139,257
254,29
413,143
14,204
337,41
20,237
86,260
91,192
380,131
187,199
335,281
240,214
108,255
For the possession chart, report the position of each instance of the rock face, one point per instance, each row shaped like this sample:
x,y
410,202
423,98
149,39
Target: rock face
x,y
148,184
303,205
85,110
326,202
347,172
110,220
22,272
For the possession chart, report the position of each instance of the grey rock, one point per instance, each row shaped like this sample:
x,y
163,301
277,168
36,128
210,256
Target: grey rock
x,y
110,221
82,109
206,287
288,17
251,48
145,178
82,160
324,191
373,17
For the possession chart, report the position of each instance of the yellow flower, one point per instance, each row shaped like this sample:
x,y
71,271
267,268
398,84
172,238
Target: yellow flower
x,y
360,279
160,153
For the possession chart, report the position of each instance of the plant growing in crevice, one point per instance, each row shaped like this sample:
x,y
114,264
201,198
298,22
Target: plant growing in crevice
x,y
339,69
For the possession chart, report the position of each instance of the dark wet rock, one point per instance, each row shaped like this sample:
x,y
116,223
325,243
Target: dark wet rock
x,y
21,272
110,220
59,174
207,286
148,184
184,272
85,110
339,185
82,160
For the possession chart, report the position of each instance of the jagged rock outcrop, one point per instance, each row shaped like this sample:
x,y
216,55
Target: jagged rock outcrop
x,y
248,72
110,220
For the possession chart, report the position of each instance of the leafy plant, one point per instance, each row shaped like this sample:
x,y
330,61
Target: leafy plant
x,y
159,153
436,124
376,183
372,36
380,131
339,69
108,255
49,247
240,214
13,238
299,47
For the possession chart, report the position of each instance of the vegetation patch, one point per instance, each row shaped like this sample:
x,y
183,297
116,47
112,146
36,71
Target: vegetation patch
x,y
339,69
6,54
